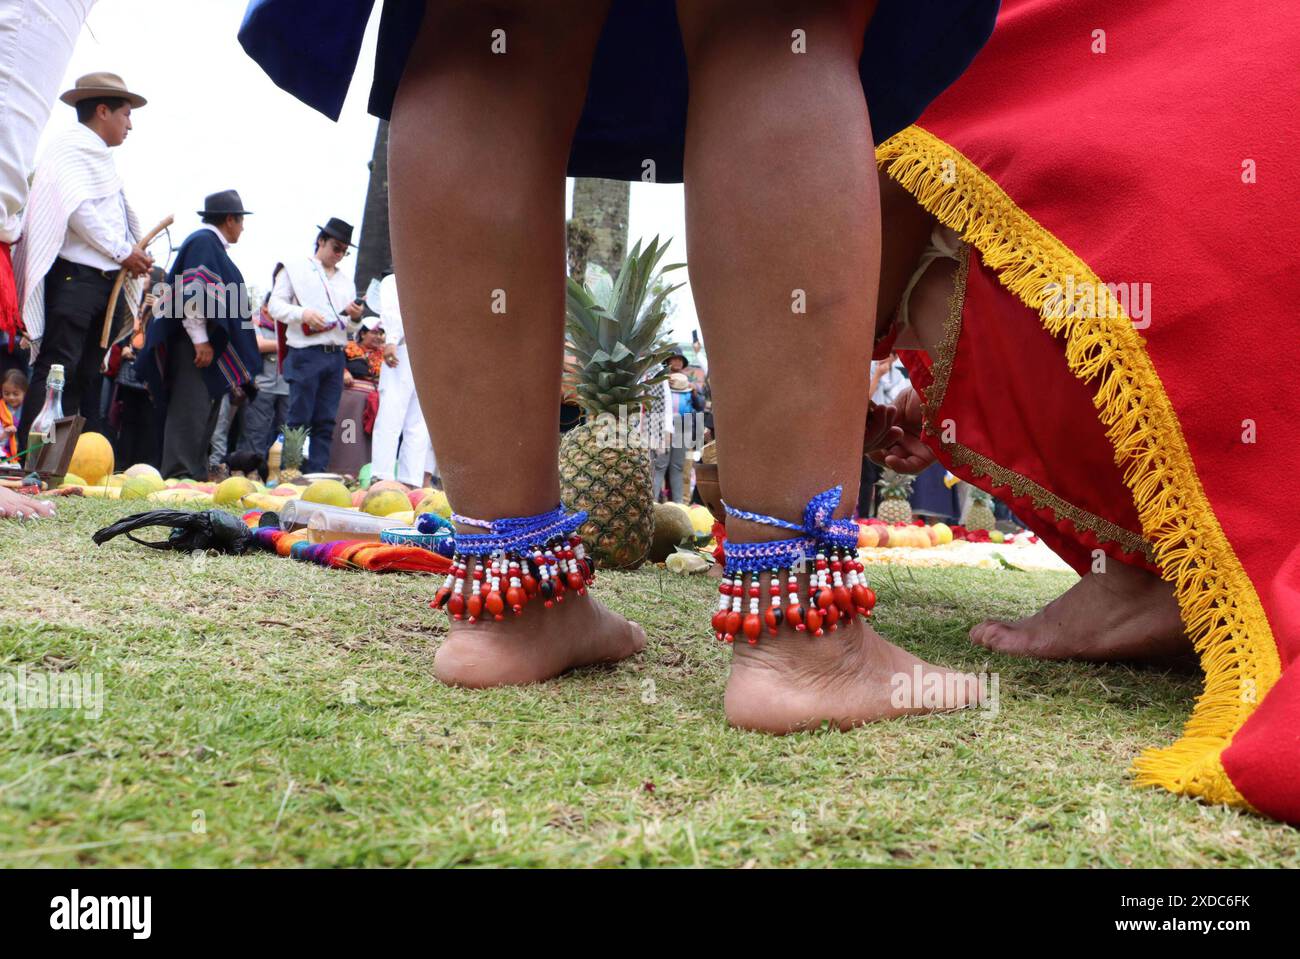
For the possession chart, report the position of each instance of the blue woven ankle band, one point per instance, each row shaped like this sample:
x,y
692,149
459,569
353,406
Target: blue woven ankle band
x,y
818,530
515,533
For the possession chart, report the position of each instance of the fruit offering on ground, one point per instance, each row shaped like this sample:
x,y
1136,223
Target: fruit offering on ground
x,y
72,479
614,359
92,458
417,496
434,502
384,502
944,533
895,488
672,525
702,520
230,491
979,512
328,492
141,486
291,455
144,469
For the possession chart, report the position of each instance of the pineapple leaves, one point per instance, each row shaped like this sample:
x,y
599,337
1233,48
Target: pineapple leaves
x,y
615,330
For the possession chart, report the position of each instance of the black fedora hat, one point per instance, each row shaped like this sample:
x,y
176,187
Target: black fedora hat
x,y
227,202
338,229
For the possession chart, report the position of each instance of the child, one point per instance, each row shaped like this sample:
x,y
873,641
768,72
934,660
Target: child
x,y
15,391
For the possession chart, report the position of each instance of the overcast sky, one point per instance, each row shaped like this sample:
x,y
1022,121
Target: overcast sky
x,y
214,122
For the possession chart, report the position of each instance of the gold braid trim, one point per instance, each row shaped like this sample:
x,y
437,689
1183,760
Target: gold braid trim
x,y
1044,498
1219,605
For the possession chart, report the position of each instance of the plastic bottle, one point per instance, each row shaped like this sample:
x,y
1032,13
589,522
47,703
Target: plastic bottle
x,y
327,523
41,432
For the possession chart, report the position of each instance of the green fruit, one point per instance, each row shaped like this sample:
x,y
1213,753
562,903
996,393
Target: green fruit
x,y
328,492
672,525
141,487
230,491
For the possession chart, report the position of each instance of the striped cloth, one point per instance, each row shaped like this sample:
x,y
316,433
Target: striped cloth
x,y
78,166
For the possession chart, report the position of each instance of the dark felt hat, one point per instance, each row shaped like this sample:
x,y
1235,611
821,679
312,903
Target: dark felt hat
x,y
338,229
227,202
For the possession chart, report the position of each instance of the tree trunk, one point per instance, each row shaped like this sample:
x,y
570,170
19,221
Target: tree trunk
x,y
601,206
375,251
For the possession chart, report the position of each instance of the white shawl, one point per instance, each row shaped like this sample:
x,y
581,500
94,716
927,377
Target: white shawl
x,y
78,166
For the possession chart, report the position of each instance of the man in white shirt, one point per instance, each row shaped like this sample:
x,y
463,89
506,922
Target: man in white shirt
x,y
399,417
78,234
318,306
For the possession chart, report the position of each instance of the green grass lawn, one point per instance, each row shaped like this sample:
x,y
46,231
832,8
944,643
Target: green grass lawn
x,y
261,711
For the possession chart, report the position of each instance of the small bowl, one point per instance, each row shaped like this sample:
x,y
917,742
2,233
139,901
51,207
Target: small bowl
x,y
706,482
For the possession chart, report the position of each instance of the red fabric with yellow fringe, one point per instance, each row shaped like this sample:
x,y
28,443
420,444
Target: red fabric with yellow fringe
x,y
1150,146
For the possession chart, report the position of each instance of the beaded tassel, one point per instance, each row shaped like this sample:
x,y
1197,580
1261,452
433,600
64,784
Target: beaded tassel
x,y
836,590
514,564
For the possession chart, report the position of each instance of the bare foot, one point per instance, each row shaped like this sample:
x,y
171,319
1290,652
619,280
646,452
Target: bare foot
x,y
538,645
1123,613
792,681
21,506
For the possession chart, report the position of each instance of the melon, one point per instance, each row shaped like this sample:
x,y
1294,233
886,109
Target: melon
x,y
385,502
72,479
417,496
329,492
435,502
115,481
92,458
671,527
143,469
230,491
141,487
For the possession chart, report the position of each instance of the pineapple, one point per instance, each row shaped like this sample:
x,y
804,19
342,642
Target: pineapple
x,y
291,454
615,351
895,488
979,511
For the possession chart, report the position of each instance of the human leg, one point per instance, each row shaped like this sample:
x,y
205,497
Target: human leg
x,y
779,171
478,148
329,390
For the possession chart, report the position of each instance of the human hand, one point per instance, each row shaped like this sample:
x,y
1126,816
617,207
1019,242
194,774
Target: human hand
x,y
347,379
202,354
137,263
354,310
908,453
390,354
313,321
882,430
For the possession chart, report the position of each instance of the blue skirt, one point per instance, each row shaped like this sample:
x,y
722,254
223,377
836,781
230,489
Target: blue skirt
x,y
636,99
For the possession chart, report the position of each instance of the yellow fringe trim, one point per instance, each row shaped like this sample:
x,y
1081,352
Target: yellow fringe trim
x,y
1219,604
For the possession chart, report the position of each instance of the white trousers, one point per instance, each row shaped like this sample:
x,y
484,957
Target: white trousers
x,y
36,41
399,417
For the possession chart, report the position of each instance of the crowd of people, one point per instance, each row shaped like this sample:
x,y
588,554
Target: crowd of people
x,y
177,366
